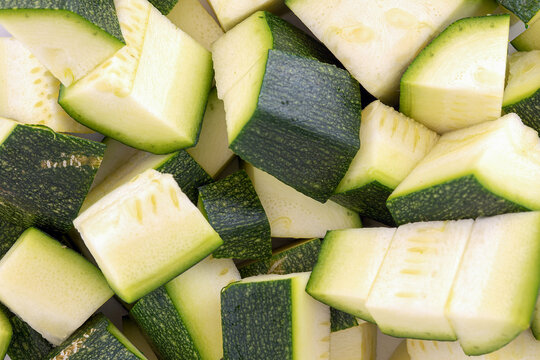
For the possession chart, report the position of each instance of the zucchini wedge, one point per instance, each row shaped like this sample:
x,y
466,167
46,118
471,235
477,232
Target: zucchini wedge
x,y
351,338
231,12
458,79
52,288
529,39
6,332
53,30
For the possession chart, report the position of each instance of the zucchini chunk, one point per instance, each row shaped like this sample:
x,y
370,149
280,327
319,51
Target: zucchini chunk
x,y
231,12
29,92
151,94
98,338
458,79
234,210
522,92
192,18
188,310
135,336
409,295
391,145
116,154
44,176
6,332
271,316
385,35
292,214
486,309
117,228
535,325
54,30
529,39
51,287
488,169
349,254
351,338
526,10
299,256
212,151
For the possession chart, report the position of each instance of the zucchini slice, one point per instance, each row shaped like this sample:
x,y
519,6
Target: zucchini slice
x,y
44,176
116,154
132,331
98,338
6,332
151,94
53,30
192,18
212,151
377,40
535,324
233,209
391,145
29,92
458,79
272,317
345,255
188,310
529,39
351,338
51,287
292,214
231,12
409,295
117,227
486,309
522,92
488,169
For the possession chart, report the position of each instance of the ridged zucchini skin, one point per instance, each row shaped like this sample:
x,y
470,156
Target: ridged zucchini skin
x,y
462,198
167,332
368,200
300,257
234,210
523,9
101,13
164,6
305,128
340,320
527,109
45,176
94,340
9,233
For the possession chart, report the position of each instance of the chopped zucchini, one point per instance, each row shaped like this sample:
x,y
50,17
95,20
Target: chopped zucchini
x,y
347,266
44,176
526,10
54,30
351,338
458,79
233,209
231,12
116,154
488,169
51,287
377,40
529,39
391,145
496,287
272,317
522,93
132,331
409,295
192,18
294,215
535,324
117,227
188,310
6,332
151,94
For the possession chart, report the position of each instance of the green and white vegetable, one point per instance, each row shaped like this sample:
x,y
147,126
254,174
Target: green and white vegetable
x,y
231,12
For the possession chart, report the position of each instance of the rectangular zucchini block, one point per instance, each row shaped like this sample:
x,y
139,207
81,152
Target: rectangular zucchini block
x,y
271,316
231,12
351,338
294,215
391,145
53,30
234,210
151,94
52,288
484,170
98,338
6,332
44,176
144,233
385,35
29,92
188,310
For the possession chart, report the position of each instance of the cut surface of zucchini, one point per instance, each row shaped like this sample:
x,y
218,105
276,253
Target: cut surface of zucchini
x,y
231,12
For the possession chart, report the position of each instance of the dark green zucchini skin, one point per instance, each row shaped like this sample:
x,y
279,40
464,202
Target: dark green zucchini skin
x,y
164,6
305,128
523,9
257,320
298,258
101,13
527,109
165,330
9,233
368,200
462,198
45,176
92,341
236,213
341,321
